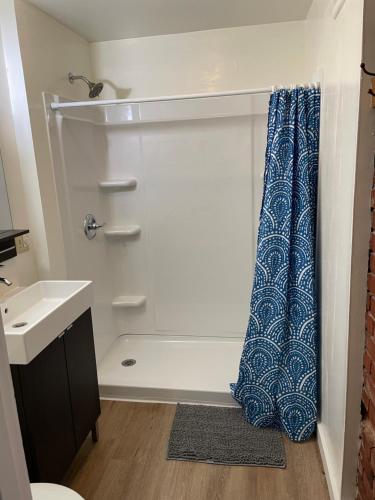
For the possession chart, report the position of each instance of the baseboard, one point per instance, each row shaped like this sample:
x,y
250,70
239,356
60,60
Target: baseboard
x,y
333,487
152,395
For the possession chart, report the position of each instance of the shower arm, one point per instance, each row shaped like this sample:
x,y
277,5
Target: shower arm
x,y
78,77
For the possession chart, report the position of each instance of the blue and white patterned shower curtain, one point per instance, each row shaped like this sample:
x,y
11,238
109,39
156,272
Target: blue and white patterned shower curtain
x,y
277,382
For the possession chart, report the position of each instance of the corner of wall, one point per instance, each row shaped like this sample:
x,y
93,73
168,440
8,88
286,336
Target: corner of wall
x,y
55,50
326,454
335,40
18,150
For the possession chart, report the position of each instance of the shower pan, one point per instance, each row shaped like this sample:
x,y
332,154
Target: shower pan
x,y
179,184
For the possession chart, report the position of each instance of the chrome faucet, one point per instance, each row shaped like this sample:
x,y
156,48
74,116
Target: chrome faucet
x,y
5,281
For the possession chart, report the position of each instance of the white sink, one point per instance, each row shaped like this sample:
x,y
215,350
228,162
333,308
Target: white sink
x,y
38,314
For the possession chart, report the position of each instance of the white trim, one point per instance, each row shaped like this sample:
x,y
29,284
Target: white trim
x,y
334,494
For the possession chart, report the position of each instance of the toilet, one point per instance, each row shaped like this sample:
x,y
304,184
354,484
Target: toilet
x,y
49,491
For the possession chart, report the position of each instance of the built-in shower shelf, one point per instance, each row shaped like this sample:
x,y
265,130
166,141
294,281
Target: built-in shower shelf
x,y
128,183
122,231
125,301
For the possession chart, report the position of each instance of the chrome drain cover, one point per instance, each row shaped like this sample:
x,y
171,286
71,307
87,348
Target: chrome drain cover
x,y
19,325
128,362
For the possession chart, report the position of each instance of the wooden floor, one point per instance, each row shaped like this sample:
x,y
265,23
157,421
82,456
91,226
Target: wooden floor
x,y
128,463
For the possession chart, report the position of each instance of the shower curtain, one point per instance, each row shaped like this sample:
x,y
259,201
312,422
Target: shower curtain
x,y
277,382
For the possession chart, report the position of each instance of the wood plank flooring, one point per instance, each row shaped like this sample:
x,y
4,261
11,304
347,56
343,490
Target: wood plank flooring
x,y
128,463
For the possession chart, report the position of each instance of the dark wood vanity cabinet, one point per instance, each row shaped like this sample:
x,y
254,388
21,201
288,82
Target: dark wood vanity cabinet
x,y
57,399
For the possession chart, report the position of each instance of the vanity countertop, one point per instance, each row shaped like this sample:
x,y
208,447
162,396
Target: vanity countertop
x,y
38,314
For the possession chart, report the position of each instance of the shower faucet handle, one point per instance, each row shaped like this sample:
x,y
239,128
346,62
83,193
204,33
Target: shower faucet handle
x,y
95,225
90,226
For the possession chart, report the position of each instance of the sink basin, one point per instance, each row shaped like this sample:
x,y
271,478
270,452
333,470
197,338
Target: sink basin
x,y
38,314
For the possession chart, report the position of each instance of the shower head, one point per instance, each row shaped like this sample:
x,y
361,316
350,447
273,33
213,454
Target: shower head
x,y
94,88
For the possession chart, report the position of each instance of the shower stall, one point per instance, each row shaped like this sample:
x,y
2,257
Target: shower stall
x,y
176,186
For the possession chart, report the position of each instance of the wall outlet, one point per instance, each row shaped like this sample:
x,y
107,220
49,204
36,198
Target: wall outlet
x,y
21,244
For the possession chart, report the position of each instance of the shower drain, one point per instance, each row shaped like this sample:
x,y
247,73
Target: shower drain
x,y
128,362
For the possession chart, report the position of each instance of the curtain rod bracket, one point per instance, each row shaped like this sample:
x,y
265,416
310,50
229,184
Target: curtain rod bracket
x,y
372,90
363,67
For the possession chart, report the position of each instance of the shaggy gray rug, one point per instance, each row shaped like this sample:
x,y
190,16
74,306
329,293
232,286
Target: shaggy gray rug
x,y
220,435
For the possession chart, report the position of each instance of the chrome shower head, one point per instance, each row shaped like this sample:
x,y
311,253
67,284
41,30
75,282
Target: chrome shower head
x,y
95,88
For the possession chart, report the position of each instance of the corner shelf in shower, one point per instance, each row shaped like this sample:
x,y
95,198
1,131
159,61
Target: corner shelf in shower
x,y
128,183
122,231
125,301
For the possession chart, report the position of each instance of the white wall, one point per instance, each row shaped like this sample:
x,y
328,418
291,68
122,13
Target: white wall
x,y
49,51
5,215
335,47
17,152
204,61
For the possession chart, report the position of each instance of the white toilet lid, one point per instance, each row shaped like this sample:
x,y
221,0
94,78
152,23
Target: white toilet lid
x,y
49,491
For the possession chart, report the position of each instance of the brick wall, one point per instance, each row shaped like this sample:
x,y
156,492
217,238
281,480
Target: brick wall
x,y
366,460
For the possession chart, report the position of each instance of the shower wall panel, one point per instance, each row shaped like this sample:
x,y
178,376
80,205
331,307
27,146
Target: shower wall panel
x,y
197,202
199,167
79,151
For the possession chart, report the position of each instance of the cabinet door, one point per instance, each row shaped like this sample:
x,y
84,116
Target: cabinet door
x,y
83,380
47,414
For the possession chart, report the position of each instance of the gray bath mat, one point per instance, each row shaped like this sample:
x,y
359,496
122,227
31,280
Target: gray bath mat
x,y
220,435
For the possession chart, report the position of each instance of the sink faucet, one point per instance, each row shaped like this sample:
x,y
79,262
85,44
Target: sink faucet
x,y
5,281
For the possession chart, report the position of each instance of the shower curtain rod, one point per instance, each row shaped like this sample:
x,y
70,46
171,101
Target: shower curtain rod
x,y
107,102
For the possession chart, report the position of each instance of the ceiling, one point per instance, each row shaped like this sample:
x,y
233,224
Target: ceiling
x,y
99,20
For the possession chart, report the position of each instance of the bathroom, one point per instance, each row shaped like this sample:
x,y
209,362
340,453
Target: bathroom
x,y
133,140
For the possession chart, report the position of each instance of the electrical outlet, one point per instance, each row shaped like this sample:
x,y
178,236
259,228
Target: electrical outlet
x,y
21,244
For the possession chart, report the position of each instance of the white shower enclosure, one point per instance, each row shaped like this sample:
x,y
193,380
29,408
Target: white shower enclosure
x,y
178,184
